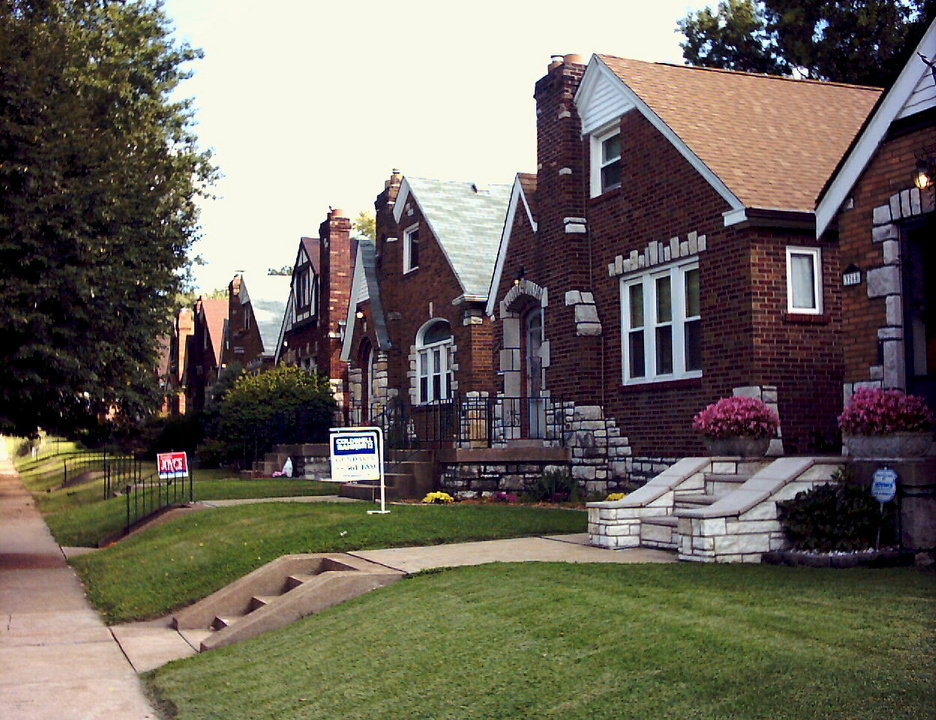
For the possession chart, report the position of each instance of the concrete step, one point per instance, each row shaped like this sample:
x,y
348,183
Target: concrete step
x,y
219,623
693,501
259,601
721,483
659,531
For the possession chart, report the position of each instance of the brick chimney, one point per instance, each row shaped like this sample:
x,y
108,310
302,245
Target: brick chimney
x,y
335,270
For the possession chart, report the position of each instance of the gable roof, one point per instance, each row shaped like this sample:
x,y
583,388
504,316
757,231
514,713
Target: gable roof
x,y
466,219
521,196
267,295
762,141
311,248
364,287
215,311
912,92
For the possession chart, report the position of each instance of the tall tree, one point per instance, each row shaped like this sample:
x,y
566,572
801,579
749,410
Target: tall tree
x,y
855,41
99,176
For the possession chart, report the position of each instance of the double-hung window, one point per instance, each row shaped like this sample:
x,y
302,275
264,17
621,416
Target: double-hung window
x,y
434,362
411,248
804,280
606,161
661,333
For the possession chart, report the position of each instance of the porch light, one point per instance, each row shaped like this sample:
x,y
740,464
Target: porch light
x,y
359,314
520,275
923,175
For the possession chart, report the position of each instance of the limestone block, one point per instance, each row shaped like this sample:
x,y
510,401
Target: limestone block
x,y
573,297
587,412
618,469
656,533
684,527
905,205
753,527
818,473
724,468
893,309
769,394
896,214
881,215
667,254
753,391
586,313
884,232
580,472
703,543
596,487
654,252
876,372
883,281
693,243
733,558
587,297
684,248
713,526
890,249
592,425
588,329
630,541
928,200
674,247
751,557
624,529
766,510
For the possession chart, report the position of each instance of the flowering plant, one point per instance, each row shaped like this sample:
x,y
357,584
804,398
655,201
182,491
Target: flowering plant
x,y
615,496
883,412
504,497
438,498
737,416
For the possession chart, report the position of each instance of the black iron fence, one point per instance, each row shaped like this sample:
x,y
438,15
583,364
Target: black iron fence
x,y
150,494
465,421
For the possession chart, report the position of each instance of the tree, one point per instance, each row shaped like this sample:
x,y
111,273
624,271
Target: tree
x,y
286,404
365,225
99,176
855,41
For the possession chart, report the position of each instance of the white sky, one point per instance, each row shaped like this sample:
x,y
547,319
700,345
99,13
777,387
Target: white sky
x,y
308,104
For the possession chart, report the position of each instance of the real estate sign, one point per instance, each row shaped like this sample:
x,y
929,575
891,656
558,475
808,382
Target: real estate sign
x,y
172,465
355,455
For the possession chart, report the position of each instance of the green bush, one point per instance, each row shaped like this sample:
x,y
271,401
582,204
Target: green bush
x,y
283,405
553,486
837,516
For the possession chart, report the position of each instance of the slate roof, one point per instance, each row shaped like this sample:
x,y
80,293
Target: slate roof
x,y
216,314
467,220
773,141
267,295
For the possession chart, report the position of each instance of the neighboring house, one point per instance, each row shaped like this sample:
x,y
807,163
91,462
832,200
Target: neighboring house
x,y
175,354
666,256
319,292
417,336
202,356
256,309
879,207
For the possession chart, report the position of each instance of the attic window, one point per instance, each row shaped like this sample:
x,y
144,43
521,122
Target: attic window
x,y
606,160
411,249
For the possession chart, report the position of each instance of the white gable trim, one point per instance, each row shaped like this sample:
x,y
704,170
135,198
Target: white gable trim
x,y
517,197
888,110
281,337
358,282
599,77
406,192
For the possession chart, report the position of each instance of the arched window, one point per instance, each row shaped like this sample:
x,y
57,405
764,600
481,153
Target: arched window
x,y
434,362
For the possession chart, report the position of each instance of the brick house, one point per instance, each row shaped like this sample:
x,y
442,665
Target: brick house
x,y
666,256
255,319
417,336
319,292
879,207
203,352
172,359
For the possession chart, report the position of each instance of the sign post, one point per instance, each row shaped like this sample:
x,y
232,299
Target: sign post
x,y
883,489
356,455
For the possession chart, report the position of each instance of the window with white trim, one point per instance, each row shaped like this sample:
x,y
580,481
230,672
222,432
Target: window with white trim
x,y
605,161
434,362
661,325
804,280
411,249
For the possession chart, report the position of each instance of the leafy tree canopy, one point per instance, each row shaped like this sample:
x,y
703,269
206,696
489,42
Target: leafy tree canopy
x,y
99,176
854,41
365,224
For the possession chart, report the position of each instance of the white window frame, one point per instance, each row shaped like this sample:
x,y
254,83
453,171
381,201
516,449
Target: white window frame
x,y
597,140
815,254
678,319
433,360
407,248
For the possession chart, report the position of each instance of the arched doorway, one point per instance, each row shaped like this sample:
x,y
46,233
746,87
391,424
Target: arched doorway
x,y
533,372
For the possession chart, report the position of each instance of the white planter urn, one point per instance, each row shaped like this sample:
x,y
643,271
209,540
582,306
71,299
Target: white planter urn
x,y
893,445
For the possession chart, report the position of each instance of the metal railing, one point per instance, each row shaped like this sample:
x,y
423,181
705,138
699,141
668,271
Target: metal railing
x,y
465,421
150,494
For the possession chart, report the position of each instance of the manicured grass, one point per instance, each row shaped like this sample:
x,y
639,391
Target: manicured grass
x,y
190,557
589,642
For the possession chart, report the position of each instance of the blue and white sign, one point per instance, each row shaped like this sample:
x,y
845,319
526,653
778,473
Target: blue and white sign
x,y
884,484
355,456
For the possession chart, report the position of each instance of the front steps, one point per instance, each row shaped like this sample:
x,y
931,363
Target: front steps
x,y
408,474
709,509
279,593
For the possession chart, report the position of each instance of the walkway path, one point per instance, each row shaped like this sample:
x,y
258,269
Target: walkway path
x,y
82,674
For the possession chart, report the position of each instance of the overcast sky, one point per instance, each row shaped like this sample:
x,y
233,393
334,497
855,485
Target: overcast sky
x,y
308,104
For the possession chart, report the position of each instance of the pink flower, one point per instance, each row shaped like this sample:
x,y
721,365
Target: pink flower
x,y
882,412
737,416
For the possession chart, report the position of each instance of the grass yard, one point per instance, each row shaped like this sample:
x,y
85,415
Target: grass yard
x,y
189,557
568,642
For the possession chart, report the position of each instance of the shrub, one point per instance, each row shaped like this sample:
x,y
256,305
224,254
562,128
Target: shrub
x,y
553,486
837,516
438,498
882,412
737,416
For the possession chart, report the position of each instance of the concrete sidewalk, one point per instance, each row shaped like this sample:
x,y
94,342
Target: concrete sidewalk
x,y
57,658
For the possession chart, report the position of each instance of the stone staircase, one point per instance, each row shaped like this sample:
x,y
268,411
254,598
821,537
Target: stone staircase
x,y
721,509
279,593
407,474
310,461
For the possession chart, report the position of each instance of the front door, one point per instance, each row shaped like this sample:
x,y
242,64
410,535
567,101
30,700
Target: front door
x,y
919,263
534,373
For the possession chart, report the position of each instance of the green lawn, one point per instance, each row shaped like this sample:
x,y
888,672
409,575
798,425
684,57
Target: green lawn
x,y
190,557
568,642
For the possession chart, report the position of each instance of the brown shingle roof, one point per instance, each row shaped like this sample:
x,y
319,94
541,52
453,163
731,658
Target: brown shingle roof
x,y
216,313
773,141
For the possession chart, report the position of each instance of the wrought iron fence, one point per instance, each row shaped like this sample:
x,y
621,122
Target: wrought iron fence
x,y
465,421
150,494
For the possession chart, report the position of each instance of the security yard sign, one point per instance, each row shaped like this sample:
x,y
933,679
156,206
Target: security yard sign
x,y
884,485
356,455
172,465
